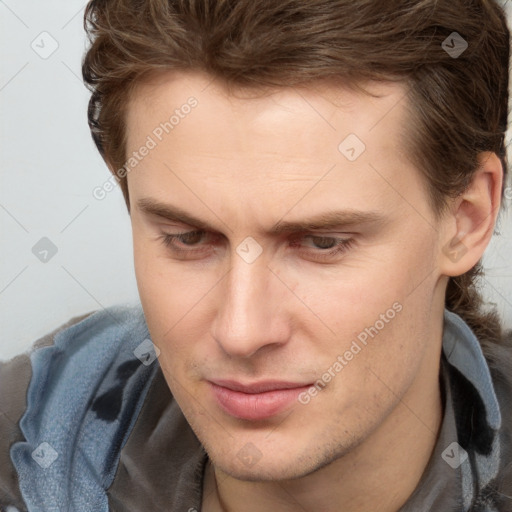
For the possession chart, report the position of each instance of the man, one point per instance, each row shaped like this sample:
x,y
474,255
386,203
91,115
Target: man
x,y
311,187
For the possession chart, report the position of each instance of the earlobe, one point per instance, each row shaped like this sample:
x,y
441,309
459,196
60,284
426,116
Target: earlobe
x,y
473,217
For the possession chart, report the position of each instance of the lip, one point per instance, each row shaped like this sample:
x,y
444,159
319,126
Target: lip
x,y
255,401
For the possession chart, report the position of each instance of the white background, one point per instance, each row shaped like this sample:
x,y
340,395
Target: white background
x,y
48,169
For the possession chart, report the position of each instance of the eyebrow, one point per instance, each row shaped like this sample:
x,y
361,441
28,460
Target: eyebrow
x,y
323,221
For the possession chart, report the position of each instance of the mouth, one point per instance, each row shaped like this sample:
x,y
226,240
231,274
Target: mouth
x,y
255,401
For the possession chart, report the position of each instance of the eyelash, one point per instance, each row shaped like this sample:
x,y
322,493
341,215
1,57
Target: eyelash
x,y
342,245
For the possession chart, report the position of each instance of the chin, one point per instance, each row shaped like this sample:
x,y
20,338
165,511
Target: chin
x,y
272,465
261,472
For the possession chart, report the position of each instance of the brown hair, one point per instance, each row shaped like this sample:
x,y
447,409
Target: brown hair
x,y
458,104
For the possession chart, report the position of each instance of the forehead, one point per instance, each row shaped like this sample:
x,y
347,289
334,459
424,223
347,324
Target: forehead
x,y
246,142
320,106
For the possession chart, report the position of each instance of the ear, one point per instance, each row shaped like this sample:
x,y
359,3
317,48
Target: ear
x,y
472,216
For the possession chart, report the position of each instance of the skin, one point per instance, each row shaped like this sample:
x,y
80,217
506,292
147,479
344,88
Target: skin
x,y
242,163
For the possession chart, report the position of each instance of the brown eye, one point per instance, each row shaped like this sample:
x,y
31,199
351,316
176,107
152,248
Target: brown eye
x,y
323,242
322,249
190,245
191,238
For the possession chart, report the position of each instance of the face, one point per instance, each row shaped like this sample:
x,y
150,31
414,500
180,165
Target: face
x,y
286,258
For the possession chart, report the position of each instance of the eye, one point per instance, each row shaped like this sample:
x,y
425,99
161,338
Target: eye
x,y
190,244
322,248
323,242
190,238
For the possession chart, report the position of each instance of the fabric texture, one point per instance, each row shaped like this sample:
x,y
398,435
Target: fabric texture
x,y
70,452
14,381
101,431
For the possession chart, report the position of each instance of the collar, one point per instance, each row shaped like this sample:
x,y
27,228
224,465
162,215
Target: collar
x,y
466,458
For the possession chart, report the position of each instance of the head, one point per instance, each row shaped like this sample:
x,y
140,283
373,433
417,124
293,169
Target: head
x,y
328,162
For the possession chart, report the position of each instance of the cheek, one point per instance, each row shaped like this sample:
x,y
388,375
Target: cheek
x,y
176,305
375,315
168,289
349,298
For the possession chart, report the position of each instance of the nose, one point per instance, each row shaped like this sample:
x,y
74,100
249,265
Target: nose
x,y
251,313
